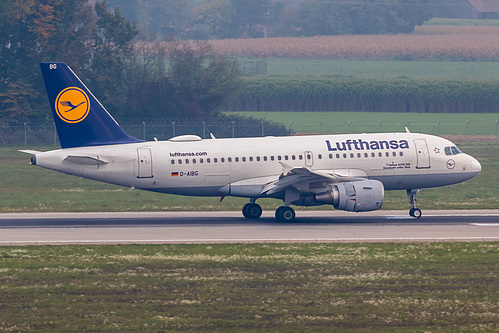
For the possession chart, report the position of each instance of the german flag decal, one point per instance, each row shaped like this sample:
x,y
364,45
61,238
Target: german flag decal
x,y
174,174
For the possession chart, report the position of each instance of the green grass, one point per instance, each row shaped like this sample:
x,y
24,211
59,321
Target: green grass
x,y
462,22
444,287
26,188
368,122
383,69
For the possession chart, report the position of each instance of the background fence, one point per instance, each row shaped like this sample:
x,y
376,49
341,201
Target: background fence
x,y
29,134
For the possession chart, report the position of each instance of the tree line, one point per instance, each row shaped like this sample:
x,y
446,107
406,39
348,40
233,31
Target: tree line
x,y
132,79
93,41
217,19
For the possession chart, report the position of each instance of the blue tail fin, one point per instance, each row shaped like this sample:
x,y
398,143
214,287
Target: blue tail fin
x,y
80,118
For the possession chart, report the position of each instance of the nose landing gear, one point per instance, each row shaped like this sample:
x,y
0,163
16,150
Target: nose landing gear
x,y
414,212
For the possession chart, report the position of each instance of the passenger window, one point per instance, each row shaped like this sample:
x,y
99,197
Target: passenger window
x,y
229,159
279,157
337,155
286,157
251,159
258,158
237,159
293,157
401,153
319,156
194,161
208,160
201,160
244,159
272,157
179,161
387,154
366,155
330,156
215,160
380,154
351,155
265,158
394,154
359,155
300,157
373,155
173,161
222,159
344,155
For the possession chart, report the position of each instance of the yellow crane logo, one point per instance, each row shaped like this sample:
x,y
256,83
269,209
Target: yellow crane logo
x,y
72,105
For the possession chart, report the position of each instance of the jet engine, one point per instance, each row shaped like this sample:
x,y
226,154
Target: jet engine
x,y
357,196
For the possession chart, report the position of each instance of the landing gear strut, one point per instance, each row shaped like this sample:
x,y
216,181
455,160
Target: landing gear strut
x,y
252,210
414,212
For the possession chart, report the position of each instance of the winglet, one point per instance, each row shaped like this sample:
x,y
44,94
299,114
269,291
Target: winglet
x,y
286,168
407,130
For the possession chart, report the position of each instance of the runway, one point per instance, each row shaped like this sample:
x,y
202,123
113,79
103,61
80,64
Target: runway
x,y
231,227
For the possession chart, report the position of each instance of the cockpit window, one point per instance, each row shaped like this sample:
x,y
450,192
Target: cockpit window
x,y
452,150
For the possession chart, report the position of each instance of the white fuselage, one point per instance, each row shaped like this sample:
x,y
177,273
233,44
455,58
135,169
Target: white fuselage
x,y
242,166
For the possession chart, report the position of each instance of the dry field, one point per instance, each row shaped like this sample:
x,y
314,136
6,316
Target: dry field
x,y
417,287
427,42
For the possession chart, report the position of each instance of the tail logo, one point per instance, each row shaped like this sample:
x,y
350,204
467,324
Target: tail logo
x,y
72,105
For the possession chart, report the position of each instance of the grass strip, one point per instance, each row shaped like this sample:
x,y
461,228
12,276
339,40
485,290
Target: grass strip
x,y
445,287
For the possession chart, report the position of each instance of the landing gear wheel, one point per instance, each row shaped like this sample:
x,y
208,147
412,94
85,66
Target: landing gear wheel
x,y
285,214
415,212
252,211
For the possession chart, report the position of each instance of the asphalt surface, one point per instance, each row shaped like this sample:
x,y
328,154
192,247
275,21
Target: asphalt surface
x,y
231,227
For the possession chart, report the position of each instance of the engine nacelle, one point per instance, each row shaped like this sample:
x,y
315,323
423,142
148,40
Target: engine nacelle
x,y
358,196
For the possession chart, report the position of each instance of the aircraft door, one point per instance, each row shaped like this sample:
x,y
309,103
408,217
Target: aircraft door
x,y
145,163
422,154
309,158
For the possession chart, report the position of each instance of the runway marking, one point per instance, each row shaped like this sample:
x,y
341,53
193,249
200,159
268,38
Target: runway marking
x,y
400,217
255,240
486,224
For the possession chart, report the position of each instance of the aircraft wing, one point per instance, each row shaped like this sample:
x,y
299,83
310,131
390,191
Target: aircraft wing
x,y
306,180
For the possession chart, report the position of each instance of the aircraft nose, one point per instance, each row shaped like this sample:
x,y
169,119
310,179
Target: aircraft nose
x,y
475,165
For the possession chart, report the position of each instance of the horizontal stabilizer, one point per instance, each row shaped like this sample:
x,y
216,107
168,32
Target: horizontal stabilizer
x,y
85,160
32,152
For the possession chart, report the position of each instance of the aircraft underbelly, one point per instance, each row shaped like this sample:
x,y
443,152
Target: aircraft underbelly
x,y
391,182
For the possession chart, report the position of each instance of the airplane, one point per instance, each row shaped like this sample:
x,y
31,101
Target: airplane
x,y
348,171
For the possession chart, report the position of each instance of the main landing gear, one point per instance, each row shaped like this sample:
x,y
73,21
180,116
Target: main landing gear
x,y
285,214
253,211
414,212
